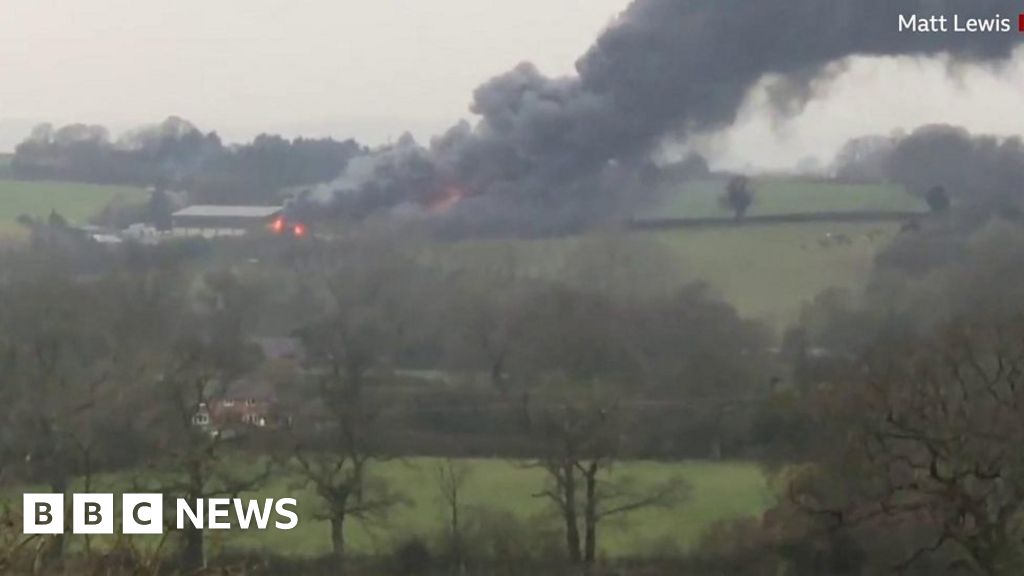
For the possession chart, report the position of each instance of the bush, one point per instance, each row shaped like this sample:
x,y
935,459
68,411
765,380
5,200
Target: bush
x,y
412,557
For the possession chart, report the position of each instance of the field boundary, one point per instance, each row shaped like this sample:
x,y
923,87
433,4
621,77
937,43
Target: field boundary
x,y
845,217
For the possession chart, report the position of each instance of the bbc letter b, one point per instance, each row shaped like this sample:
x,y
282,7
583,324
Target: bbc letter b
x,y
92,514
42,513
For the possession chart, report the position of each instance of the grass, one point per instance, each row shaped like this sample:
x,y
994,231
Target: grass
x,y
719,490
767,272
770,272
775,196
76,202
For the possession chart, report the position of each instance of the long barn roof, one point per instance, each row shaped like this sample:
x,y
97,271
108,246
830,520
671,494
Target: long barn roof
x,y
201,210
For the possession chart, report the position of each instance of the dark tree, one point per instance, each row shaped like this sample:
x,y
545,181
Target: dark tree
x,y
922,440
160,209
937,199
195,348
57,365
176,155
738,196
338,433
581,441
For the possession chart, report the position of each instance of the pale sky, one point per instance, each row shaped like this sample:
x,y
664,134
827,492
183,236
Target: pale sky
x,y
371,69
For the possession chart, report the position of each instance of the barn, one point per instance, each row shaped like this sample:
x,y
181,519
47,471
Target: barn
x,y
213,221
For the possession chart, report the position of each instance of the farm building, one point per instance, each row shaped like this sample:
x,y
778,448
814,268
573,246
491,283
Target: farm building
x,y
251,401
212,221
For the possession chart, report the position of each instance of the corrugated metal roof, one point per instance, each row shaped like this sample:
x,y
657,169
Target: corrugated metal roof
x,y
230,211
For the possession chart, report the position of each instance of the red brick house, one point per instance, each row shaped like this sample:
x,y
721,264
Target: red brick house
x,y
252,401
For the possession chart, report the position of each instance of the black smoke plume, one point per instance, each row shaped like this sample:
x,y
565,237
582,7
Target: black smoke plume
x,y
545,149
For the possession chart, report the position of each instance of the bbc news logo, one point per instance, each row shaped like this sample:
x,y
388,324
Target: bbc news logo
x,y
144,513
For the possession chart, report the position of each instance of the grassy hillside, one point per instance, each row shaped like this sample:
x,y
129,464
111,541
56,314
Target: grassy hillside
x,y
75,201
767,272
774,196
770,272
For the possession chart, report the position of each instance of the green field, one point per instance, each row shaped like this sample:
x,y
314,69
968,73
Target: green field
x,y
76,202
720,491
775,196
496,488
769,272
766,271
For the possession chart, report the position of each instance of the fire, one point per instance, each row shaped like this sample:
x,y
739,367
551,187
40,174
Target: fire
x,y
444,203
277,226
281,226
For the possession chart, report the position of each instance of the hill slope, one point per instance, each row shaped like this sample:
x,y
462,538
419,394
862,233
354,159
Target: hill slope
x,y
76,202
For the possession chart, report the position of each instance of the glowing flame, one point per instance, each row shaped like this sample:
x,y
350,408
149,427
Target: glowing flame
x,y
444,203
277,226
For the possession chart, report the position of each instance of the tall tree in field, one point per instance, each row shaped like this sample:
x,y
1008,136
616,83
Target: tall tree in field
x,y
580,439
195,347
452,476
738,196
364,296
482,320
58,366
584,368
937,199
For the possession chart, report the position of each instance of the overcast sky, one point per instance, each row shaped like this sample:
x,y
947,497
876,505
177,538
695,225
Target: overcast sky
x,y
369,67
374,68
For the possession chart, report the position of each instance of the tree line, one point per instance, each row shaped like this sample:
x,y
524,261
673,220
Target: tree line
x,y
176,155
888,419
104,370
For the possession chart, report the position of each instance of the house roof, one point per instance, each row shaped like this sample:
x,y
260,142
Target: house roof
x,y
246,388
202,210
240,389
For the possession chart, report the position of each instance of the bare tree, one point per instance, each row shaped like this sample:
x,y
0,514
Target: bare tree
x,y
195,348
580,442
928,437
58,364
452,476
482,321
333,453
350,349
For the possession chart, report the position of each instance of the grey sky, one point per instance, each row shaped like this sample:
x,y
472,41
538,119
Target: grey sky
x,y
242,66
373,68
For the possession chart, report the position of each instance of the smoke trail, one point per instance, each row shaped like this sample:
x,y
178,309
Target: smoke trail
x,y
543,148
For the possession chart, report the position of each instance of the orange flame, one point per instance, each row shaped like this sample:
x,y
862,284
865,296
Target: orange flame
x,y
451,197
277,226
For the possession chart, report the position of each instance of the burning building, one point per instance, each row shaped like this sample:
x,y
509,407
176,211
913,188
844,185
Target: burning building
x,y
216,221
548,154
